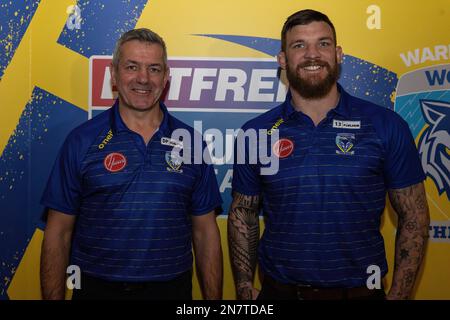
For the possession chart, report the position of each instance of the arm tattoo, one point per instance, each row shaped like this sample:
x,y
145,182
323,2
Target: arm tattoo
x,y
411,207
243,237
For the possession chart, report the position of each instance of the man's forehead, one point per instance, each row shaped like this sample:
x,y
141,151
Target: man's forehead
x,y
315,27
136,51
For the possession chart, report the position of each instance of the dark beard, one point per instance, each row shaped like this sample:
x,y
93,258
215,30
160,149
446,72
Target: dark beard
x,y
309,89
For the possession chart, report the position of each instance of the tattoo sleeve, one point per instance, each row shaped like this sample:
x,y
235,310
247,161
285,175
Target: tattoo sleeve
x,y
411,207
243,237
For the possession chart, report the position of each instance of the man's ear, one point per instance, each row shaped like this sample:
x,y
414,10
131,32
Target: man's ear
x,y
166,76
339,54
113,74
281,57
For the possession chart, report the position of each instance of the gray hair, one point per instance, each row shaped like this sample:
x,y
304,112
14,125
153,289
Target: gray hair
x,y
142,35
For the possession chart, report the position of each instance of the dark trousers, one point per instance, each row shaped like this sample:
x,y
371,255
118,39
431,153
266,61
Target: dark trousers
x,y
92,288
274,290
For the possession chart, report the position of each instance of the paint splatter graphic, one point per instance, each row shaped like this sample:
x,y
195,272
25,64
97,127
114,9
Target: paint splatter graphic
x,y
15,17
101,24
24,168
368,81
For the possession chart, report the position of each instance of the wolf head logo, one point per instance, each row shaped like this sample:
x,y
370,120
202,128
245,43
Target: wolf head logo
x,y
434,144
345,142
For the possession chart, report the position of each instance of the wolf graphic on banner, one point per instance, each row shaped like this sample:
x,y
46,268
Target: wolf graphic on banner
x,y
435,143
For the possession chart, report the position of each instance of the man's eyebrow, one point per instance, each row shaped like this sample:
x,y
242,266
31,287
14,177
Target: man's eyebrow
x,y
156,64
295,41
320,39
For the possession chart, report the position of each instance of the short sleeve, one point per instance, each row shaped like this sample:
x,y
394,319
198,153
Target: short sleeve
x,y
206,195
246,178
63,190
402,167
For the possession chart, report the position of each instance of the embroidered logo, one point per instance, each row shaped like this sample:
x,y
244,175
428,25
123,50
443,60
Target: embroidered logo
x,y
105,141
345,143
283,148
115,162
275,126
174,162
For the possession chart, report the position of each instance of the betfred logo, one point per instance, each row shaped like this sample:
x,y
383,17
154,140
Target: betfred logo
x,y
115,162
283,148
199,84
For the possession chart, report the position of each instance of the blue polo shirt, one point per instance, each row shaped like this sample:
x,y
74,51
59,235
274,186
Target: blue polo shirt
x,y
323,207
133,201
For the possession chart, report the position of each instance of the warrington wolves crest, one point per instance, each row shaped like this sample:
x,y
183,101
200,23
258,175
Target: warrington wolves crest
x,y
434,144
345,143
174,162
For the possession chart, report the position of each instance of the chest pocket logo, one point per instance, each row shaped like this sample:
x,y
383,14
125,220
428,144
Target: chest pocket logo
x,y
345,143
174,162
283,148
115,162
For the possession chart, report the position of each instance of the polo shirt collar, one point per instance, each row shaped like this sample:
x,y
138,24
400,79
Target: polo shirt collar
x,y
117,124
342,107
288,108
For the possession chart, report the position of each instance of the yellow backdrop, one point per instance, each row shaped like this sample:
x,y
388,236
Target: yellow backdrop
x,y
380,32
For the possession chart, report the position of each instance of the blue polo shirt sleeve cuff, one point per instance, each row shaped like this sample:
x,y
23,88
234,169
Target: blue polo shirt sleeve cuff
x,y
407,183
245,191
217,208
65,210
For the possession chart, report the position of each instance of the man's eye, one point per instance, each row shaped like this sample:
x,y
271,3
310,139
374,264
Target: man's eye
x,y
154,70
131,68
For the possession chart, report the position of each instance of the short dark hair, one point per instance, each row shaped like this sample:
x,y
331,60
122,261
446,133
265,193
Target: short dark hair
x,y
143,35
304,17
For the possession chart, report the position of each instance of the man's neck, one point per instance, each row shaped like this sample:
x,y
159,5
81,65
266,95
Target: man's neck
x,y
144,123
316,109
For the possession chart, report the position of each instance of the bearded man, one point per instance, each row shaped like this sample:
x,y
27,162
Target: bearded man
x,y
338,158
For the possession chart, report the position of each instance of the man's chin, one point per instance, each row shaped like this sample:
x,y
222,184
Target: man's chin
x,y
139,108
314,87
313,91
142,108
313,80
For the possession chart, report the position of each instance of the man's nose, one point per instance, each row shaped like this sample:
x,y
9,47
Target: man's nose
x,y
312,52
142,76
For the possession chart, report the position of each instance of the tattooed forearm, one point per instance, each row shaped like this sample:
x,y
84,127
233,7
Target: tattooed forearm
x,y
243,237
411,207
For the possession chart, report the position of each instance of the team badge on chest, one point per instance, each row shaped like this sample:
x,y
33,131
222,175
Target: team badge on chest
x,y
174,162
345,143
115,162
